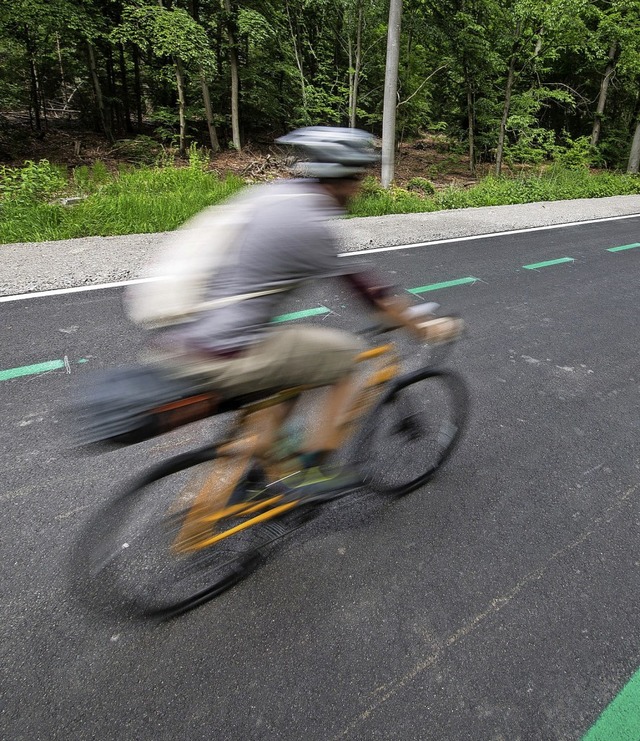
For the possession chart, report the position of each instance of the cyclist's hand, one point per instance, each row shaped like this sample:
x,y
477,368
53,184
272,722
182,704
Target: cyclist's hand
x,y
441,329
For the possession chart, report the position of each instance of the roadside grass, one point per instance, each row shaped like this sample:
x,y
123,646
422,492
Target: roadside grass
x,y
155,199
136,201
554,184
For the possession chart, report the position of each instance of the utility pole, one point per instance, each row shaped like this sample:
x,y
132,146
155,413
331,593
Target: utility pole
x,y
391,93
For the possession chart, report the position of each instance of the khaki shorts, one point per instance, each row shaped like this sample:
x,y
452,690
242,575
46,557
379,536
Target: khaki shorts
x,y
289,356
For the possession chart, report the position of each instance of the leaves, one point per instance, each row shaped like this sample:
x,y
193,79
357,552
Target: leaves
x,y
299,60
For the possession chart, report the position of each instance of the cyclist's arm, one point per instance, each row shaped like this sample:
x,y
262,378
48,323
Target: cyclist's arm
x,y
381,296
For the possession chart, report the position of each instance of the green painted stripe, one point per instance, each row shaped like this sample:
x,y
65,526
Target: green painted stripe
x,y
546,264
301,314
620,720
446,284
624,247
29,370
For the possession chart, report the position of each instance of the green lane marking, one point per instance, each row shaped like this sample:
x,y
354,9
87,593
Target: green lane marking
x,y
624,247
546,264
446,284
31,370
301,314
620,720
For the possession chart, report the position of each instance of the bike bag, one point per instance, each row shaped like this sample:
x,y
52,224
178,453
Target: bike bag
x,y
132,404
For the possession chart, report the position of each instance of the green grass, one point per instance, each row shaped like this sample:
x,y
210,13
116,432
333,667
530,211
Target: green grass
x,y
155,199
553,185
144,200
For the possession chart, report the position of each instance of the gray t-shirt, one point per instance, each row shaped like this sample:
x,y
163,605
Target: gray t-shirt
x,y
287,242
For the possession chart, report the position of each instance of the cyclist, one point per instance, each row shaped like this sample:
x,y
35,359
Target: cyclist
x,y
235,348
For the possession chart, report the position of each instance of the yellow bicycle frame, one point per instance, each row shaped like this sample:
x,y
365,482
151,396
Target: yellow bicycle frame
x,y
197,531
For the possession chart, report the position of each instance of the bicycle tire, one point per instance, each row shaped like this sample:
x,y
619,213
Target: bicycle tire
x,y
123,558
421,426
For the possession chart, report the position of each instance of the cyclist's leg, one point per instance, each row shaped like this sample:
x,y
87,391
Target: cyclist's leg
x,y
315,357
288,356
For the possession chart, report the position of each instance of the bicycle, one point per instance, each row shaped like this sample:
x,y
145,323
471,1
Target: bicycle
x,y
170,541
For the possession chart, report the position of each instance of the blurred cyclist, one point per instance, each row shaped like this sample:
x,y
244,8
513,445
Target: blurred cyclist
x,y
234,348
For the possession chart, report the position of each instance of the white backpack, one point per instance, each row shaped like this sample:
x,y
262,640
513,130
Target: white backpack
x,y
173,289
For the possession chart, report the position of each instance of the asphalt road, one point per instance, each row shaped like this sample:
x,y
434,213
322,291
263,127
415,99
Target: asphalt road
x,y
499,602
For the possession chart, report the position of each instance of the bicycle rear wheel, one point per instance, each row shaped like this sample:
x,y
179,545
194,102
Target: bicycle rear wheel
x,y
127,556
412,430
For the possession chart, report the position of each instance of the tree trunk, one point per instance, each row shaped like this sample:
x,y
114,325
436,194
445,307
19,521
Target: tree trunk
x,y
235,79
391,93
137,86
471,117
182,104
63,84
602,99
114,106
35,80
634,158
124,84
354,79
208,110
98,93
298,57
507,104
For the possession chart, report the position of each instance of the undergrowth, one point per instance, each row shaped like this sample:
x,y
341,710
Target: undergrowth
x,y
146,199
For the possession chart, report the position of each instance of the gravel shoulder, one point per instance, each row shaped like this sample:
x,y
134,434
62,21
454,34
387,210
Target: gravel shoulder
x,y
30,267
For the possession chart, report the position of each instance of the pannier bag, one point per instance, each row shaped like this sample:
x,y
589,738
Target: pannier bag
x,y
132,404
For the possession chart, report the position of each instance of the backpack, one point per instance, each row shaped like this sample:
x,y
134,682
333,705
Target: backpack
x,y
173,289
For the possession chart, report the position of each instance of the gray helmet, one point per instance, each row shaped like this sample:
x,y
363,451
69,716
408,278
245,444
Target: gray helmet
x,y
331,152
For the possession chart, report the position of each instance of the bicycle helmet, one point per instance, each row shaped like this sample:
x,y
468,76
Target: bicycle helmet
x,y
331,152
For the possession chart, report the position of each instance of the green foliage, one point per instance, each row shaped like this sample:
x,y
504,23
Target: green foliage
x,y
169,33
33,182
577,154
139,201
530,142
556,184
422,185
198,158
88,179
298,62
165,121
161,198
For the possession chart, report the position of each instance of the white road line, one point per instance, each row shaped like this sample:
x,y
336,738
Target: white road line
x,y
120,284
76,289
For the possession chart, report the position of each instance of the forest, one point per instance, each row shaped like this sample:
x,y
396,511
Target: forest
x,y
507,81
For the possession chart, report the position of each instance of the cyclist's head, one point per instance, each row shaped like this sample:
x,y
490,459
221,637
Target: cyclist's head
x,y
331,153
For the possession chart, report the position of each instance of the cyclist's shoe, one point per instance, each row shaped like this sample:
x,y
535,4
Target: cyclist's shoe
x,y
252,487
316,484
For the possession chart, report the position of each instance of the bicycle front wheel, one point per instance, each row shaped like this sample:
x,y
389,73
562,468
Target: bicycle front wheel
x,y
412,430
137,551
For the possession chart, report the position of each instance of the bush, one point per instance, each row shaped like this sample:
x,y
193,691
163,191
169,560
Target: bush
x,y
31,183
578,153
422,185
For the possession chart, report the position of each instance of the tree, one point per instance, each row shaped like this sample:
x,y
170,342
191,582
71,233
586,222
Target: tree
x,y
231,25
390,93
634,157
170,34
